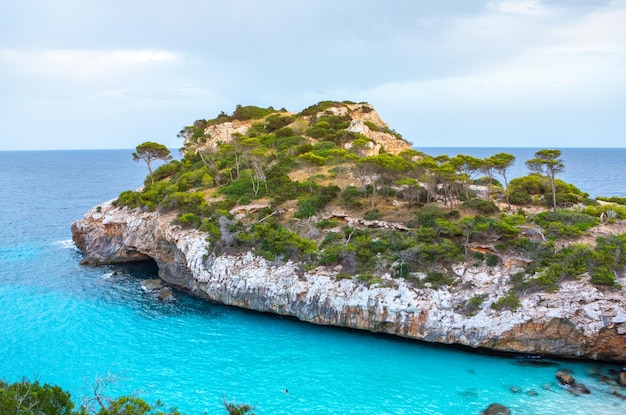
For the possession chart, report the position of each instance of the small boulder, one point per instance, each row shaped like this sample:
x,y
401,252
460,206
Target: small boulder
x,y
565,378
581,389
166,294
621,378
496,409
152,284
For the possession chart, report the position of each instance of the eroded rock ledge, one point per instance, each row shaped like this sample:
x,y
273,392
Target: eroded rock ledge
x,y
579,321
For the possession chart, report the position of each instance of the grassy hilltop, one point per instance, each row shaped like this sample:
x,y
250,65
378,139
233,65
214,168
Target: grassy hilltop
x,y
334,186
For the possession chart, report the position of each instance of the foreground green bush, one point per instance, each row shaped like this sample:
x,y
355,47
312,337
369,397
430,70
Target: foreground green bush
x,y
33,398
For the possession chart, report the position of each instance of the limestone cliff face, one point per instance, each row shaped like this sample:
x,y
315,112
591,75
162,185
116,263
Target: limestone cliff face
x,y
578,321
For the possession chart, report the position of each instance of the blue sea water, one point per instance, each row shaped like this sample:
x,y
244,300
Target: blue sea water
x,y
597,171
64,323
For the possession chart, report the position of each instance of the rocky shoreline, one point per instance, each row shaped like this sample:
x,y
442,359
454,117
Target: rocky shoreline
x,y
578,321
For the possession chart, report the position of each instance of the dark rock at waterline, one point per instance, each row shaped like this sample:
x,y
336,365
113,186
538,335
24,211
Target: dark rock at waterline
x,y
579,389
607,380
496,409
152,284
565,378
568,381
621,378
166,294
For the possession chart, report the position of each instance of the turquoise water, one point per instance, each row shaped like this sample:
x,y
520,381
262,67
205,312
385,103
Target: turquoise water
x,y
68,324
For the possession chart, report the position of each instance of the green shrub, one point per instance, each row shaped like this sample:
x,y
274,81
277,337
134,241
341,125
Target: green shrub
x,y
603,276
289,144
453,214
351,197
508,302
188,219
327,224
485,207
240,190
438,279
606,212
519,198
446,228
251,112
284,132
429,214
25,397
32,398
128,198
309,205
276,122
613,199
564,223
331,238
473,305
194,178
532,184
319,107
371,126
274,240
373,214
331,254
166,170
609,257
478,256
492,260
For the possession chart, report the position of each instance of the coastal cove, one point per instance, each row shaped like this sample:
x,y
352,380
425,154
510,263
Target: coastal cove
x,y
68,324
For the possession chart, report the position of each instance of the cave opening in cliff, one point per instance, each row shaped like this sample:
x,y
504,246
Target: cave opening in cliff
x,y
141,269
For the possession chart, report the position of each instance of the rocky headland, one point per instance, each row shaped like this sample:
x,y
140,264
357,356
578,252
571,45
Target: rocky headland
x,y
330,217
578,321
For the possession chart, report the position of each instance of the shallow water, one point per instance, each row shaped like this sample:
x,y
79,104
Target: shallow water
x,y
68,324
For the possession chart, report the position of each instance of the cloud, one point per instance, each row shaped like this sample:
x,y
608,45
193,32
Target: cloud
x,y
523,7
433,63
81,64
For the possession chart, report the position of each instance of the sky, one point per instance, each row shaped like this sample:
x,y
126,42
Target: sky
x,y
106,74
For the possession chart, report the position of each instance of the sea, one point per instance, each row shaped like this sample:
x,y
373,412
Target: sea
x,y
87,328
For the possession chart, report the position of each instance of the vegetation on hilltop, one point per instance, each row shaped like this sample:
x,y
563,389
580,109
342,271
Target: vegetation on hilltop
x,y
307,187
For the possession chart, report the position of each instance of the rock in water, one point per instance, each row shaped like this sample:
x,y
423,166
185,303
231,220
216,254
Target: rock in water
x,y
496,409
581,389
152,284
621,379
565,378
166,294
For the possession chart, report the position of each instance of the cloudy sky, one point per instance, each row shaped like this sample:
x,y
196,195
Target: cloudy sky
x,y
93,74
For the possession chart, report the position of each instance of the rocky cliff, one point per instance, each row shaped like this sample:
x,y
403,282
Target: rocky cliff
x,y
578,321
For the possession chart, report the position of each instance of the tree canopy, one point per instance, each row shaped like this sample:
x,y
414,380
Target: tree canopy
x,y
548,163
150,151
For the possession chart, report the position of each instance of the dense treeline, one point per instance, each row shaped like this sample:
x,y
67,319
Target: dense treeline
x,y
307,172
